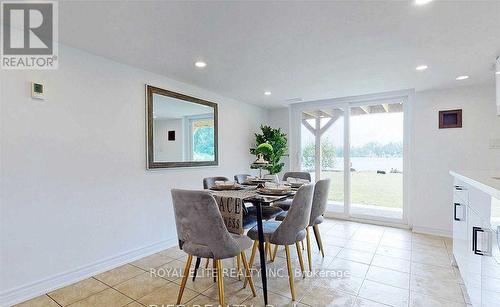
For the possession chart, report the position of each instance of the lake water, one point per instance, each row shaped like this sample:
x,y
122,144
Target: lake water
x,y
371,164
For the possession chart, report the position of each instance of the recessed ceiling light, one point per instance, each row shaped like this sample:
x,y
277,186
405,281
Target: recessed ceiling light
x,y
421,67
200,64
267,93
497,73
462,78
422,2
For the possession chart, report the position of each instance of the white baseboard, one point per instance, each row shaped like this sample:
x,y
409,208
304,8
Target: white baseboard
x,y
416,229
432,231
388,223
29,291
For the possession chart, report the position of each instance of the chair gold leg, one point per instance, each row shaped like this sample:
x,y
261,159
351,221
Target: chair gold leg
x,y
252,257
308,241
301,261
267,250
302,244
248,273
275,251
238,265
220,280
184,278
318,236
254,251
290,274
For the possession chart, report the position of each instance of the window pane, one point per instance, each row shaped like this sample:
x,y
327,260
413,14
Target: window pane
x,y
377,161
332,157
307,158
203,140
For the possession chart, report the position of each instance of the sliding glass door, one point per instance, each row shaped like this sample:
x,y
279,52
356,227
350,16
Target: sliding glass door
x,y
367,178
322,151
376,154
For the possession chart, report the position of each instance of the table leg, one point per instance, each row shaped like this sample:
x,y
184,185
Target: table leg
x,y
197,265
261,251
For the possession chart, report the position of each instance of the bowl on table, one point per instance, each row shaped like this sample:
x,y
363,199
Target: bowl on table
x,y
255,181
296,183
225,185
276,190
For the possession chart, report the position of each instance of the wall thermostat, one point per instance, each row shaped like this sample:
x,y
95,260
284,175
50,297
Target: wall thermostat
x,y
37,90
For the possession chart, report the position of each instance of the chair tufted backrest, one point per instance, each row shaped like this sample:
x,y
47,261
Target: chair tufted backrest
x,y
320,199
240,178
199,224
297,218
301,175
210,181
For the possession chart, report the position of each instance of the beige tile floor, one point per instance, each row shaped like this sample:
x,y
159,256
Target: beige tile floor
x,y
386,267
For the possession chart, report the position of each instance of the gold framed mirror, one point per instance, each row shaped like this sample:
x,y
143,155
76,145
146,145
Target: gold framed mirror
x,y
182,131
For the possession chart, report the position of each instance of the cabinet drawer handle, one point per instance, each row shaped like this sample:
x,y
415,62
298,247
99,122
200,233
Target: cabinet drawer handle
x,y
476,251
455,212
489,244
475,230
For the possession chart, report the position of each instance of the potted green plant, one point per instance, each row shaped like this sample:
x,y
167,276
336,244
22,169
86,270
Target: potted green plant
x,y
272,144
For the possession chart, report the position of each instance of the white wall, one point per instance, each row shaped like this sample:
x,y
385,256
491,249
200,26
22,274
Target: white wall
x,y
279,118
166,150
436,151
75,191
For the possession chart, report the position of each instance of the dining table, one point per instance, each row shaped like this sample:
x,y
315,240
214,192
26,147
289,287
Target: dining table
x,y
250,194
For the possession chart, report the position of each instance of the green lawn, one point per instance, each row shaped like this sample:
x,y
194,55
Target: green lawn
x,y
368,188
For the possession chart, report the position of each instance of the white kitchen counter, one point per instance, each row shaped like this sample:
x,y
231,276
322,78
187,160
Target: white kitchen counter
x,y
486,181
476,234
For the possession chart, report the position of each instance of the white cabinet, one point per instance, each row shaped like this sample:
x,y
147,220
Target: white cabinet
x,y
471,273
460,238
490,277
476,245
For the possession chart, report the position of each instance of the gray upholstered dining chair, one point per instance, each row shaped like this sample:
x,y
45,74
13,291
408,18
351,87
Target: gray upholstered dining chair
x,y
319,203
210,181
240,178
291,230
285,204
249,214
300,175
249,220
202,233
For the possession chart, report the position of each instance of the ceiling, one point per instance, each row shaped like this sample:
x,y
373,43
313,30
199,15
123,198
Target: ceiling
x,y
307,50
165,107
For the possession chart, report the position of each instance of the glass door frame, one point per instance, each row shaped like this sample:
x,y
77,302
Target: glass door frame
x,y
295,121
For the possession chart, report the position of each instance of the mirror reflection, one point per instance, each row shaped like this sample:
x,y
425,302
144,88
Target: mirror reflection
x,y
183,131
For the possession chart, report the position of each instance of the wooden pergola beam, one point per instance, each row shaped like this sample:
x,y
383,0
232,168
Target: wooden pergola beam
x,y
366,109
328,124
323,113
309,127
311,114
328,113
